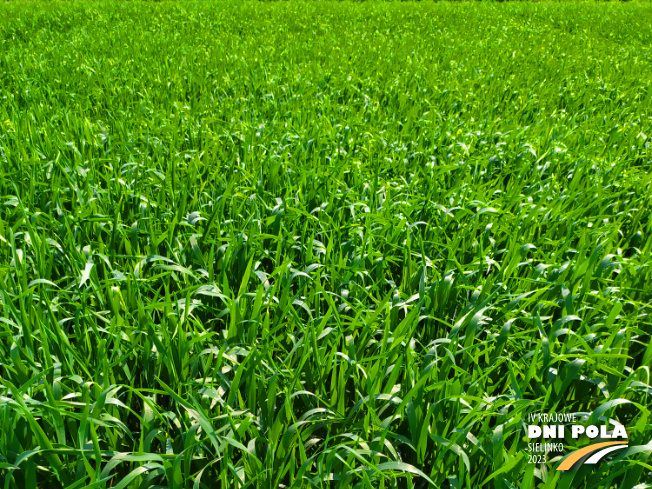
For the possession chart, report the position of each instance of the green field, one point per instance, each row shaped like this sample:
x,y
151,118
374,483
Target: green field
x,y
322,245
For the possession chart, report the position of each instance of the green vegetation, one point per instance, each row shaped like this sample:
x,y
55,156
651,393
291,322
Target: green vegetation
x,y
321,244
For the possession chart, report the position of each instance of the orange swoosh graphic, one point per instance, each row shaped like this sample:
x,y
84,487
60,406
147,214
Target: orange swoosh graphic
x,y
578,454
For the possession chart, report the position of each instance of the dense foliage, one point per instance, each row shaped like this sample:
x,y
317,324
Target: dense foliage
x,y
321,244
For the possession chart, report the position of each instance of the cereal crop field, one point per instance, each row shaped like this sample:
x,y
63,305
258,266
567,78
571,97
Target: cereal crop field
x,y
323,244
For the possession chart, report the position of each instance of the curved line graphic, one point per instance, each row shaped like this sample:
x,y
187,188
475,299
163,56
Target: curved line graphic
x,y
578,454
595,458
